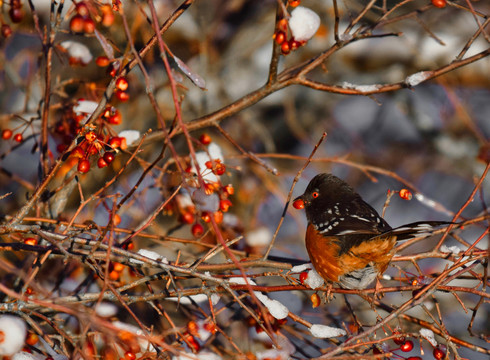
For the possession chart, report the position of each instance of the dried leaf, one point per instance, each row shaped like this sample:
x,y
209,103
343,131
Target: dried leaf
x,y
109,51
195,78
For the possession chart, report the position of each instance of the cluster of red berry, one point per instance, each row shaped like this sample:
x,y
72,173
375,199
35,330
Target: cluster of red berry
x,y
16,15
7,134
86,12
281,34
407,345
192,334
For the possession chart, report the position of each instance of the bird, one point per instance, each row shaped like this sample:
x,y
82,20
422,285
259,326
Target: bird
x,y
347,241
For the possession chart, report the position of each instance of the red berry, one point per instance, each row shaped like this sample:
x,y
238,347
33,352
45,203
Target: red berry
x,y
101,163
30,241
78,152
102,61
129,355
122,95
108,157
7,134
293,44
187,218
83,165
88,25
115,142
299,204
76,24
285,48
91,136
282,25
122,83
303,276
205,139
82,9
197,230
414,358
18,137
115,119
438,354
439,3
294,3
405,194
16,14
112,69
107,15
279,37
407,346
6,30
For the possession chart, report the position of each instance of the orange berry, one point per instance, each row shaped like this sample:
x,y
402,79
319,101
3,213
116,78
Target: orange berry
x,y
282,25
192,328
88,25
209,164
294,3
115,142
116,219
205,139
279,37
18,137
31,339
7,134
438,354
210,327
218,217
439,3
299,204
102,61
187,218
114,275
107,15
76,24
315,300
122,83
405,194
118,267
229,189
30,241
206,217
82,9
83,166
285,48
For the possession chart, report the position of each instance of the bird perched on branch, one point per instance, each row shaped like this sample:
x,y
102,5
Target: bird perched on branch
x,y
347,241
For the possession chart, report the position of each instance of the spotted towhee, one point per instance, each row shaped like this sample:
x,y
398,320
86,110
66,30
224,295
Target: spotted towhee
x,y
347,241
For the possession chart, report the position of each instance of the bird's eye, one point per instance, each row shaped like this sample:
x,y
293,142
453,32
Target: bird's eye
x,y
315,194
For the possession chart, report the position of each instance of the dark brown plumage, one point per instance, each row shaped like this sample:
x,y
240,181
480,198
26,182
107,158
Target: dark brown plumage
x,y
346,239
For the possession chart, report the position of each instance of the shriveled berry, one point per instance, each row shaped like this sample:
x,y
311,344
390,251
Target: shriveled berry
x,y
282,25
219,169
82,9
91,136
218,217
6,30
7,134
229,189
315,300
224,205
285,48
405,194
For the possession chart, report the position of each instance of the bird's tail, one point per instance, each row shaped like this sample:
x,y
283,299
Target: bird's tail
x,y
418,229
